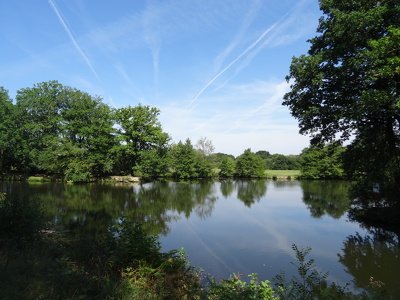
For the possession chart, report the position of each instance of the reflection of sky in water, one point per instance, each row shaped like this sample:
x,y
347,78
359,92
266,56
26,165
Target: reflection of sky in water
x,y
236,238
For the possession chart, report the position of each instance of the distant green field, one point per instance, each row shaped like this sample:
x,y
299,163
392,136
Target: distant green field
x,y
282,173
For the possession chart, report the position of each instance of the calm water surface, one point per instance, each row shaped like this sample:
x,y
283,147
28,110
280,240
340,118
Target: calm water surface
x,y
237,226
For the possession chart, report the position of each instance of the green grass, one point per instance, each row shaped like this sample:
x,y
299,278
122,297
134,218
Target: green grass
x,y
282,173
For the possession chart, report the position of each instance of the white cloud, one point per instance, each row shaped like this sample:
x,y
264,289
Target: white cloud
x,y
234,124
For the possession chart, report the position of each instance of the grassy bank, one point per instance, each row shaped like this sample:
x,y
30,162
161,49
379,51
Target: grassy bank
x,y
282,174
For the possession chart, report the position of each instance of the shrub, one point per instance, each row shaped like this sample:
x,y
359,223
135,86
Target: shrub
x,y
78,172
250,165
310,284
235,288
227,167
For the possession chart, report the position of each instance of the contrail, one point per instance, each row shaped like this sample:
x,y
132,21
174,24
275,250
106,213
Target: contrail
x,y
232,63
209,249
254,44
51,2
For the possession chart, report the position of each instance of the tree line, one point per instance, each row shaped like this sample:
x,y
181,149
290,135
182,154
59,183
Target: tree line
x,y
57,130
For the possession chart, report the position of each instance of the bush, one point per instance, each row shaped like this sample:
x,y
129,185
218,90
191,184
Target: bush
x,y
322,162
310,284
174,278
235,288
227,167
250,165
78,172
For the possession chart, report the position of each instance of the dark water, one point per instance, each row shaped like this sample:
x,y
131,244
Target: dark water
x,y
236,226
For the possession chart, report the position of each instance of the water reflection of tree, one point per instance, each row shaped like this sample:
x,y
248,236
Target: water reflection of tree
x,y
165,202
285,183
227,187
374,261
154,205
326,197
251,191
205,199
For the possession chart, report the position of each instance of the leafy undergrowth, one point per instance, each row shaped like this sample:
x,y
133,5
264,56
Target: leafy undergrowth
x,y
46,273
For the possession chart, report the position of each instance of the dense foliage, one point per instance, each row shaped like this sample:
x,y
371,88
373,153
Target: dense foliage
x,y
348,87
280,161
63,131
322,162
71,135
142,141
227,167
250,165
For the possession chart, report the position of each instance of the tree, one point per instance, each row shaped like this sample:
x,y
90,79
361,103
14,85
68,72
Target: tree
x,y
205,146
263,154
39,126
218,157
63,131
348,86
266,156
155,162
88,134
322,162
249,164
184,160
278,162
204,158
140,131
227,167
293,162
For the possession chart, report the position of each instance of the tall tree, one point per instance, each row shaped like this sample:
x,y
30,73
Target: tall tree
x,y
140,131
39,125
88,134
64,131
205,146
204,157
348,86
156,161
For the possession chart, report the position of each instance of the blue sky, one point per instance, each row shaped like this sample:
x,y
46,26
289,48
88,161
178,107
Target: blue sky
x,y
214,68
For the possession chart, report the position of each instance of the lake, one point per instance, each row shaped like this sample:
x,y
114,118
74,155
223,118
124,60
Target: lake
x,y
236,226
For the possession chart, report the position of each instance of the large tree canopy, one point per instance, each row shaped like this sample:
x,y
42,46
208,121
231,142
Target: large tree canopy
x,y
346,82
140,133
348,85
